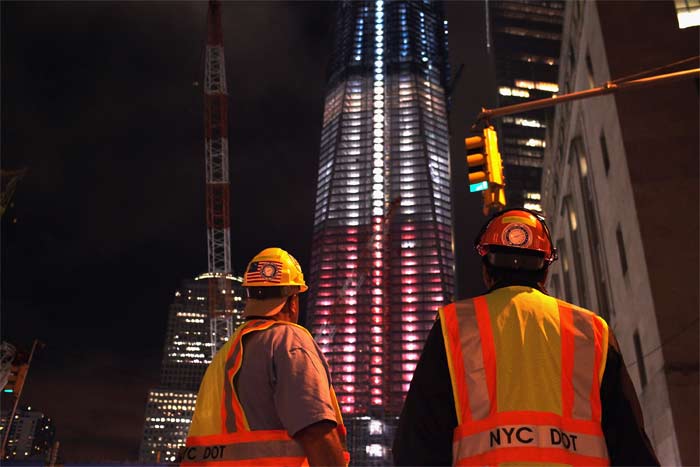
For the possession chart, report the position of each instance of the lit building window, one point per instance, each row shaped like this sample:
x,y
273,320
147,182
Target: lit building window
x,y
525,32
376,427
506,91
533,206
528,122
535,143
375,450
688,13
524,84
550,87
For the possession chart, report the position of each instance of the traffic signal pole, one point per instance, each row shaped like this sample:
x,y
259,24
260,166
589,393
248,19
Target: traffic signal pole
x,y
607,88
484,160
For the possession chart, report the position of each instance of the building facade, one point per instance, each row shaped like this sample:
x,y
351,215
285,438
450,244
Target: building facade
x,y
620,190
523,41
31,437
382,255
187,352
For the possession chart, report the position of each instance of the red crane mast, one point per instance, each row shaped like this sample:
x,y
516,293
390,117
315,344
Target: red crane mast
x,y
217,180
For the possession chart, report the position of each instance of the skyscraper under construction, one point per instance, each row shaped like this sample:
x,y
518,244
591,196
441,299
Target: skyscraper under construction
x,y
382,259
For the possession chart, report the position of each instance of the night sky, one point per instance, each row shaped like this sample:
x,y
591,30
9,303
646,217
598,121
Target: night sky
x,y
102,102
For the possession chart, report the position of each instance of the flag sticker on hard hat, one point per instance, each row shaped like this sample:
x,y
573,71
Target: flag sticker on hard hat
x,y
264,271
517,235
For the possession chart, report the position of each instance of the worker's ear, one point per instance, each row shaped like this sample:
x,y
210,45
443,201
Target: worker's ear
x,y
488,281
289,304
544,278
293,307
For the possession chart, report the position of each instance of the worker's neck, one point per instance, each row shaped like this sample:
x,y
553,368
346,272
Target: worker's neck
x,y
286,315
493,285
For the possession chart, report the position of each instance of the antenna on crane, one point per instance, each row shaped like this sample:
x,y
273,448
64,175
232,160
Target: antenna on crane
x,y
217,180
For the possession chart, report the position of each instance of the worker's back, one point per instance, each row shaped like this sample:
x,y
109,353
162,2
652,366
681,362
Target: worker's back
x,y
270,397
526,335
526,371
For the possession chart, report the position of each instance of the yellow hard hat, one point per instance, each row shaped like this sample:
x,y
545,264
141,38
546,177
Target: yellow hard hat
x,y
271,276
274,267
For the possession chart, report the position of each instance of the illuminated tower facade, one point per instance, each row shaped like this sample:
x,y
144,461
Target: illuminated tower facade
x,y
524,38
382,260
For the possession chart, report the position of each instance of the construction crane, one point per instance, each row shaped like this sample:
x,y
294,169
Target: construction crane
x,y
220,298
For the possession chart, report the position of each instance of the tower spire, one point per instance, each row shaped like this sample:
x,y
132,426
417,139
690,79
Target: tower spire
x,y
217,180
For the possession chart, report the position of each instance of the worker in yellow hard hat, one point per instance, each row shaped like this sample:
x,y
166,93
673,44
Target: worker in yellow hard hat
x,y
517,377
266,398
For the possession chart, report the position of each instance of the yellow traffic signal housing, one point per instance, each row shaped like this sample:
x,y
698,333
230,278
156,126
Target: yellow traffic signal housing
x,y
485,169
476,161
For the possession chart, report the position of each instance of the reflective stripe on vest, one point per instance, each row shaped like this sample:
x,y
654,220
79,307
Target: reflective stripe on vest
x,y
245,448
236,444
486,435
233,418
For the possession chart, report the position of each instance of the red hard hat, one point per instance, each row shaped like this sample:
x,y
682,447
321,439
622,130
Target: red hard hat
x,y
517,229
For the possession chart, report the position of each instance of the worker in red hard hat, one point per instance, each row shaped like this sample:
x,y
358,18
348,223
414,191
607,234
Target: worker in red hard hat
x,y
266,398
517,376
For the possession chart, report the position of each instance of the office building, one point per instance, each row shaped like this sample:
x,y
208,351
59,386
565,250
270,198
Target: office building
x,y
523,41
382,258
31,437
186,355
620,190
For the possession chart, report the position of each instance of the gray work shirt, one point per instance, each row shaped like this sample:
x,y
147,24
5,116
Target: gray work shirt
x,y
283,382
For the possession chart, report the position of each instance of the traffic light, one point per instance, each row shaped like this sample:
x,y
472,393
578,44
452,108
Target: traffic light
x,y
476,160
485,170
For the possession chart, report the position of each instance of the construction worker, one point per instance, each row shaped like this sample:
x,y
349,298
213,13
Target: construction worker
x,y
517,376
266,398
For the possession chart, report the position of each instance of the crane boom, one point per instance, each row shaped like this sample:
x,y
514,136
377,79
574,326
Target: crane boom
x,y
217,180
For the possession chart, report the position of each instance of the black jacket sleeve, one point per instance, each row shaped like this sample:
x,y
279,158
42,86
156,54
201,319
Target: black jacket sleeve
x,y
623,424
428,419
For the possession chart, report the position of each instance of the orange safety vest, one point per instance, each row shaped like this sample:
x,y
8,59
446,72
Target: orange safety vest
x,y
220,434
526,371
